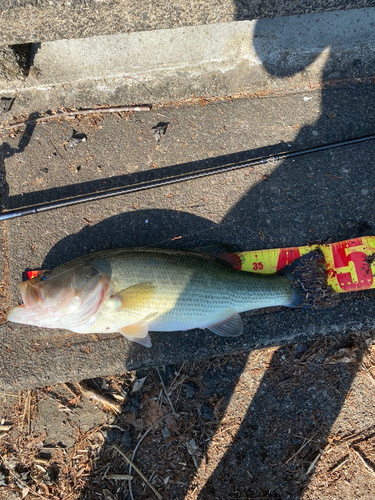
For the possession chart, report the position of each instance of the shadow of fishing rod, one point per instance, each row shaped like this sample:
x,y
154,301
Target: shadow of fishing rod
x,y
165,181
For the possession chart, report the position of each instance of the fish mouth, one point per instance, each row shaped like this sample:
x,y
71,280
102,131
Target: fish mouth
x,y
30,294
28,312
13,314
29,316
46,295
21,314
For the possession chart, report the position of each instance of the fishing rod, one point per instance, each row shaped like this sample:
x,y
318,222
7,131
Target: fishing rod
x,y
143,186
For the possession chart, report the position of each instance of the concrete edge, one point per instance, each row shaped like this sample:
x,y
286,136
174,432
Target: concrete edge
x,y
273,55
69,353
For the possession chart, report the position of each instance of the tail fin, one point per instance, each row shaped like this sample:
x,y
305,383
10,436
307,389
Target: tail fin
x,y
308,278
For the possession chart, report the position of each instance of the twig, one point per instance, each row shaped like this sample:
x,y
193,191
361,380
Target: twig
x,y
300,449
372,380
313,463
159,402
359,455
122,109
143,85
137,470
167,396
27,402
340,464
147,432
90,394
171,388
114,426
29,415
121,477
105,473
68,388
138,445
55,148
227,429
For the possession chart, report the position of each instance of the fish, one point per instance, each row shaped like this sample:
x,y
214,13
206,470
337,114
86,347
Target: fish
x,y
135,291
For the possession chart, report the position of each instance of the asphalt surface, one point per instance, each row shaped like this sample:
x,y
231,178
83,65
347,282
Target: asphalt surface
x,y
38,20
328,194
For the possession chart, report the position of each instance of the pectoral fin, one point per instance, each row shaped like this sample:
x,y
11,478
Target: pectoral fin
x,y
230,327
134,296
138,332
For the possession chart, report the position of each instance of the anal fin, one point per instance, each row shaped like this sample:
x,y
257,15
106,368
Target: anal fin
x,y
230,327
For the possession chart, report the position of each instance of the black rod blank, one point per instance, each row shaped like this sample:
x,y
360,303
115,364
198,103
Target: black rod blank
x,y
143,186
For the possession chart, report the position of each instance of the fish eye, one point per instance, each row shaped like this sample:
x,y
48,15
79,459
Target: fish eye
x,y
45,275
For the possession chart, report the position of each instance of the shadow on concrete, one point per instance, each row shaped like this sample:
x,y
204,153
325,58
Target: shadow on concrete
x,y
328,195
7,151
117,181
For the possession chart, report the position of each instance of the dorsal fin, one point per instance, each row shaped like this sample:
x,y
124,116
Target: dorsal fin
x,y
224,252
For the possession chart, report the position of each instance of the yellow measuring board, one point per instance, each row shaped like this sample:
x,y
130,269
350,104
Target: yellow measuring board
x,y
350,265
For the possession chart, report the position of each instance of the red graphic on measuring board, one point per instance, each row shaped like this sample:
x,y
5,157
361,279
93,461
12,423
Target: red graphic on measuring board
x,y
287,255
349,266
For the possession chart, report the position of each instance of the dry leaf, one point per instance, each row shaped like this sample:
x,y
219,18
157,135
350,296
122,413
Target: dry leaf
x,y
138,424
166,433
152,413
130,418
191,447
108,495
217,408
5,427
138,384
38,440
172,424
25,492
159,130
345,355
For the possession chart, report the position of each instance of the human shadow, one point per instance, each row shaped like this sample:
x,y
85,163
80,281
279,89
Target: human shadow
x,y
295,401
327,195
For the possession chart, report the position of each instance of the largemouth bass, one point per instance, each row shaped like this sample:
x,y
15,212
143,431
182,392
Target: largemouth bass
x,y
134,291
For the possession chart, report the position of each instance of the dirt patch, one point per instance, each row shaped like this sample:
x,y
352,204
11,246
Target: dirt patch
x,y
290,422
